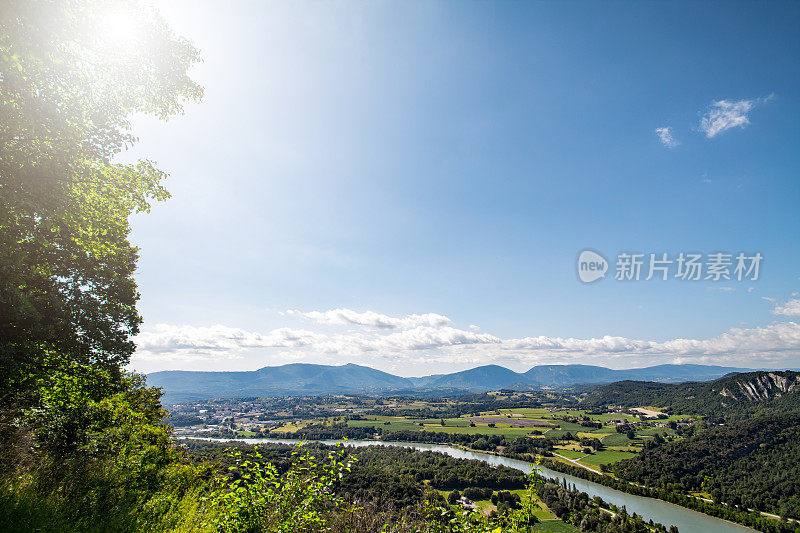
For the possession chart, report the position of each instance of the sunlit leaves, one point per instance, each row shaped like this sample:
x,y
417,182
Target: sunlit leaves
x,y
68,88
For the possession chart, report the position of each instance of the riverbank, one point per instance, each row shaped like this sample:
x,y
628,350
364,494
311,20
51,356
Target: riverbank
x,y
753,519
686,520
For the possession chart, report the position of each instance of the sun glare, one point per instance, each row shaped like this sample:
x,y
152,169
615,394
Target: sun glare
x,y
119,26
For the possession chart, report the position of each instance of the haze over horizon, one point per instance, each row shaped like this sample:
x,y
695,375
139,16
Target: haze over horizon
x,y
409,189
469,368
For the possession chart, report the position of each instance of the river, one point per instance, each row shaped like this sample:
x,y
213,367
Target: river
x,y
686,520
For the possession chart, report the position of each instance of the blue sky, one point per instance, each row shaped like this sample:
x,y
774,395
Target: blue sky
x,y
363,163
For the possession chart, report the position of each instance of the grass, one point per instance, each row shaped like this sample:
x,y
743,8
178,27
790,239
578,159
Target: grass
x,y
569,413
605,457
570,454
525,412
396,424
603,430
612,416
457,422
486,506
555,526
570,426
653,431
290,428
616,439
543,513
557,433
484,430
452,425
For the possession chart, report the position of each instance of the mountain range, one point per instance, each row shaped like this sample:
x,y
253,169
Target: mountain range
x,y
300,379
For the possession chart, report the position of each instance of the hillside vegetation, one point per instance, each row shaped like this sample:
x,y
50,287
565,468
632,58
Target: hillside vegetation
x,y
753,464
729,398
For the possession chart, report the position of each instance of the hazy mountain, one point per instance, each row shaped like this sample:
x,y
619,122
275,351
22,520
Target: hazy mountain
x,y
306,379
287,380
678,373
489,377
561,375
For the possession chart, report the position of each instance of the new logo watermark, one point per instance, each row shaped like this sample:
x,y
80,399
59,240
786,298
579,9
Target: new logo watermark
x,y
686,266
591,266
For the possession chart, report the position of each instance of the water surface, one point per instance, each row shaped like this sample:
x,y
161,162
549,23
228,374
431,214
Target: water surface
x,y
686,520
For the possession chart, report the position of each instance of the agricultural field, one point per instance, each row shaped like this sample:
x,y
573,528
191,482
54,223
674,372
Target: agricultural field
x,y
569,454
555,525
607,435
617,439
604,457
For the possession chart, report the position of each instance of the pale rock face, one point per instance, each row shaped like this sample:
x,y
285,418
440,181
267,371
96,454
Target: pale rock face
x,y
764,387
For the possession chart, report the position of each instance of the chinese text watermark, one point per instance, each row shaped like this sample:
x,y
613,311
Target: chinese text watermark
x,y
686,266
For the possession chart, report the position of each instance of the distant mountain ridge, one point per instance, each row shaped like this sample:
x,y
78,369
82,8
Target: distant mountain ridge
x,y
301,379
732,396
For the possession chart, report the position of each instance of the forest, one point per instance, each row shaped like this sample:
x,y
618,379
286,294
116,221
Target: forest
x,y
729,398
744,456
397,479
389,473
592,514
750,464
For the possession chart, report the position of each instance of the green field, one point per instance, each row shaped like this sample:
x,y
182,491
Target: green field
x,y
452,425
617,439
543,513
555,526
569,454
396,424
612,416
652,431
605,457
525,412
571,426
569,413
604,430
506,432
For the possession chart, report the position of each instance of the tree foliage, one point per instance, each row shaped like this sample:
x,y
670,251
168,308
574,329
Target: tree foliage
x,y
726,399
68,88
752,464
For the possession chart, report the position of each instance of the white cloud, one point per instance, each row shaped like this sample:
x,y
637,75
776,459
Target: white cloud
x,y
790,308
781,337
167,341
723,115
666,137
419,338
765,346
371,319
448,345
777,337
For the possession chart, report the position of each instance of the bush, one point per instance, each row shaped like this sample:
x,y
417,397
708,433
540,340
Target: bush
x,y
260,499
